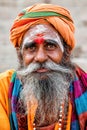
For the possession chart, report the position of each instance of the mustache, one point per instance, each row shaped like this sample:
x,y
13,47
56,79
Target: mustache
x,y
50,65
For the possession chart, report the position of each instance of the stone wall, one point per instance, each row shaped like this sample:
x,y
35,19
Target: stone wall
x,y
9,10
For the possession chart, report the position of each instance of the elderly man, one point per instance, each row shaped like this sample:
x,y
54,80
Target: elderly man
x,y
47,91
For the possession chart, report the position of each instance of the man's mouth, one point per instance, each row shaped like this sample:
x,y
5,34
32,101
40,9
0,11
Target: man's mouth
x,y
42,70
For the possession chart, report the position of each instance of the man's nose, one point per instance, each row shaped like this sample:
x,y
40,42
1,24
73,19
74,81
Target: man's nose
x,y
41,56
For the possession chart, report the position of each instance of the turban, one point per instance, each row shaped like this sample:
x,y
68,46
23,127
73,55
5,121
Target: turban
x,y
55,15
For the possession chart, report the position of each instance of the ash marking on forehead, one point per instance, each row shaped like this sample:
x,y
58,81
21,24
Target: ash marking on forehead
x,y
47,31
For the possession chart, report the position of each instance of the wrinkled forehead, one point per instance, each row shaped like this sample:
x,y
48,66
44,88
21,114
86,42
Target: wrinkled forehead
x,y
45,31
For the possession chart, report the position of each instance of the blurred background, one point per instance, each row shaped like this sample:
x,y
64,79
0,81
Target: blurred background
x,y
9,10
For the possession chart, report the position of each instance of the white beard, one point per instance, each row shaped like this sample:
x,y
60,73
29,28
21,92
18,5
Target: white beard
x,y
48,91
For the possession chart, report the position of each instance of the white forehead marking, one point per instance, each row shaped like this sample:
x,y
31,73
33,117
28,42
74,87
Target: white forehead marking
x,y
41,28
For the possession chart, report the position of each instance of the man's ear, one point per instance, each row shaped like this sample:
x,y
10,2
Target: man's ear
x,y
17,48
19,55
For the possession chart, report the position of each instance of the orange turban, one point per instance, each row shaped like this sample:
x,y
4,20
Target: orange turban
x,y
57,16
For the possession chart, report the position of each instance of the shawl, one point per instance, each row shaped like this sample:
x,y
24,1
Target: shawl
x,y
54,15
78,99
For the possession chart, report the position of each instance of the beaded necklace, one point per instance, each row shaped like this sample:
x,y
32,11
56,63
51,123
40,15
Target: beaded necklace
x,y
62,121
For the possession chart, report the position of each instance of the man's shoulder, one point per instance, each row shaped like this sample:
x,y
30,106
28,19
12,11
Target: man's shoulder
x,y
5,77
80,72
6,74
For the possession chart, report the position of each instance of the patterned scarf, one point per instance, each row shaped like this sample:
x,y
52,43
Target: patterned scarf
x,y
15,88
78,96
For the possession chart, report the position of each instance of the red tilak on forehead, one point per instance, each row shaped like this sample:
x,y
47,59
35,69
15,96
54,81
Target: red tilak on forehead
x,y
39,40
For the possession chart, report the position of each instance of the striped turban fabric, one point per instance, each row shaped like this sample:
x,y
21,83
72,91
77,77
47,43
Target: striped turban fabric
x,y
56,16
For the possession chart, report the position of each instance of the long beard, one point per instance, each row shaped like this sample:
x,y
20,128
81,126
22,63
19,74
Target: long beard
x,y
49,89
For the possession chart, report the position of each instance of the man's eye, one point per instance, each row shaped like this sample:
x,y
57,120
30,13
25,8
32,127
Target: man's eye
x,y
50,46
30,47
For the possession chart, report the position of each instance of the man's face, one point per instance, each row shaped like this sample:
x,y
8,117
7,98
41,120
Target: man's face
x,y
42,75
42,43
